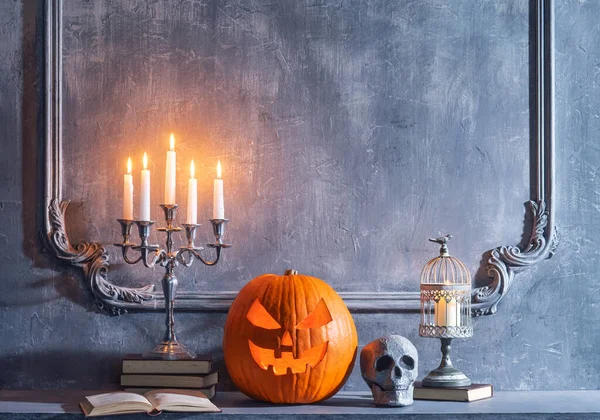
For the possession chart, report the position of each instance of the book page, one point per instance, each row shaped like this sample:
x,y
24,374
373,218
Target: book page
x,y
175,400
117,398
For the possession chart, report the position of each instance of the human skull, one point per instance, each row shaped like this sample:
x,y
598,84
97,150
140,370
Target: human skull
x,y
389,366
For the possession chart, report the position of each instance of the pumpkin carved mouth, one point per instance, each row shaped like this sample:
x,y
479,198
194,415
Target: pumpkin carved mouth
x,y
266,357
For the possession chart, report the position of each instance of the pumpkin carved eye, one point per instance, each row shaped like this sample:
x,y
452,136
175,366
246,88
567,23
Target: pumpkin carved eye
x,y
259,317
317,318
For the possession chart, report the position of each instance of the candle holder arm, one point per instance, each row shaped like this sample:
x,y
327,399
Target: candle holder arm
x,y
125,250
182,259
195,254
192,249
209,263
151,255
126,227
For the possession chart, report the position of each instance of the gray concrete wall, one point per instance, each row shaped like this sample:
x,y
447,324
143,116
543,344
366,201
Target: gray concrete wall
x,y
349,131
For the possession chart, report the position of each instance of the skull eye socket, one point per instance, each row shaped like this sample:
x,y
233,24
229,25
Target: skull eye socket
x,y
407,362
384,363
259,317
317,318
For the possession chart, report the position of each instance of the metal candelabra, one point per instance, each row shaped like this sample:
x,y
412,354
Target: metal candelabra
x,y
169,348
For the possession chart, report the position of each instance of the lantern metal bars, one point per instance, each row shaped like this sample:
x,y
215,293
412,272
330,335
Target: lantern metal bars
x,y
445,311
151,255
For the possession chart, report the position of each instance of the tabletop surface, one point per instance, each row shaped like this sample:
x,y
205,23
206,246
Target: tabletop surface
x,y
350,403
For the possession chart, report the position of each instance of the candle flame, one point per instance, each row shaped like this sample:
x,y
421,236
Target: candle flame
x,y
192,169
129,166
145,161
219,169
172,142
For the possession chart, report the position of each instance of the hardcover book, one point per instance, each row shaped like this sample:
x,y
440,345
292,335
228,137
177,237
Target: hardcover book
x,y
135,363
170,381
154,401
470,393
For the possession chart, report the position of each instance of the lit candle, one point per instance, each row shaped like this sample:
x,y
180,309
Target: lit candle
x,y
145,191
218,204
440,312
447,314
453,313
170,173
128,193
192,205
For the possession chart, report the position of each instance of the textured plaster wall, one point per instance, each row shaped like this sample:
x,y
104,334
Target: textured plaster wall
x,y
350,131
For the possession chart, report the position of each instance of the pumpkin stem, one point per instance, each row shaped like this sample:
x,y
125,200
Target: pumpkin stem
x,y
290,272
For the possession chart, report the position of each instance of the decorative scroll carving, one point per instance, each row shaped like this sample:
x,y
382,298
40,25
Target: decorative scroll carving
x,y
505,261
93,259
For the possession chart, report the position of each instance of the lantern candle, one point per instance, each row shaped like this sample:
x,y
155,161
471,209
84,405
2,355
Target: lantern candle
x,y
192,205
218,202
145,191
453,313
447,314
440,312
170,180
128,193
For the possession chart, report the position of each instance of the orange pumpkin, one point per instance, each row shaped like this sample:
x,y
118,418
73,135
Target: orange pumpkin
x,y
289,339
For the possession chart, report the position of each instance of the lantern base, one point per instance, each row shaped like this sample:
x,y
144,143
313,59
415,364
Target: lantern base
x,y
446,375
169,350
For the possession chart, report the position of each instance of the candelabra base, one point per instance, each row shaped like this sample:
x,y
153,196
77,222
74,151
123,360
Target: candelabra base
x,y
170,350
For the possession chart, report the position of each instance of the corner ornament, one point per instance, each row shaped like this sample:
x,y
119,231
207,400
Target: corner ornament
x,y
506,261
93,260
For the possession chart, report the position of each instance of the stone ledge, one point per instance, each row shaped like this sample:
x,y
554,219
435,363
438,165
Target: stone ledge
x,y
532,405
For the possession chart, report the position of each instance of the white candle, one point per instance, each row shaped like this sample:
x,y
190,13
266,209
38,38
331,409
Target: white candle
x,y
447,314
440,312
128,193
192,205
170,186
145,192
453,313
218,203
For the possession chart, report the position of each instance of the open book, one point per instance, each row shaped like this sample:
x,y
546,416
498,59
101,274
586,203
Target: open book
x,y
152,401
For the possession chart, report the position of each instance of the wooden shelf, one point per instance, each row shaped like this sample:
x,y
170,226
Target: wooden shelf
x,y
564,405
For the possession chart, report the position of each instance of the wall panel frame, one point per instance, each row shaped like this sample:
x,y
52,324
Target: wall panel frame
x,y
502,265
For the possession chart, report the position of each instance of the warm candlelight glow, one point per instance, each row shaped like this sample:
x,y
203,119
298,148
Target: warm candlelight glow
x,y
172,142
219,169
129,166
145,161
192,169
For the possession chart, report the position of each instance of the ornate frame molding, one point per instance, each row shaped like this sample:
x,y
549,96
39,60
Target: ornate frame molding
x,y
504,261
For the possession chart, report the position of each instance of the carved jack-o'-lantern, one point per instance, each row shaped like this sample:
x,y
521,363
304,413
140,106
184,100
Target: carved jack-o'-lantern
x,y
289,339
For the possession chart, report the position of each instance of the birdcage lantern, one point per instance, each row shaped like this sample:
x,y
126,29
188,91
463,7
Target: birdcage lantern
x,y
445,311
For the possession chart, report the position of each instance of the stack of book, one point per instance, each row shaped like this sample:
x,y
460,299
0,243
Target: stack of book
x,y
141,375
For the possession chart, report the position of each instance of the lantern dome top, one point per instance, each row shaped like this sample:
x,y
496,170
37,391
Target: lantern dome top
x,y
444,269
